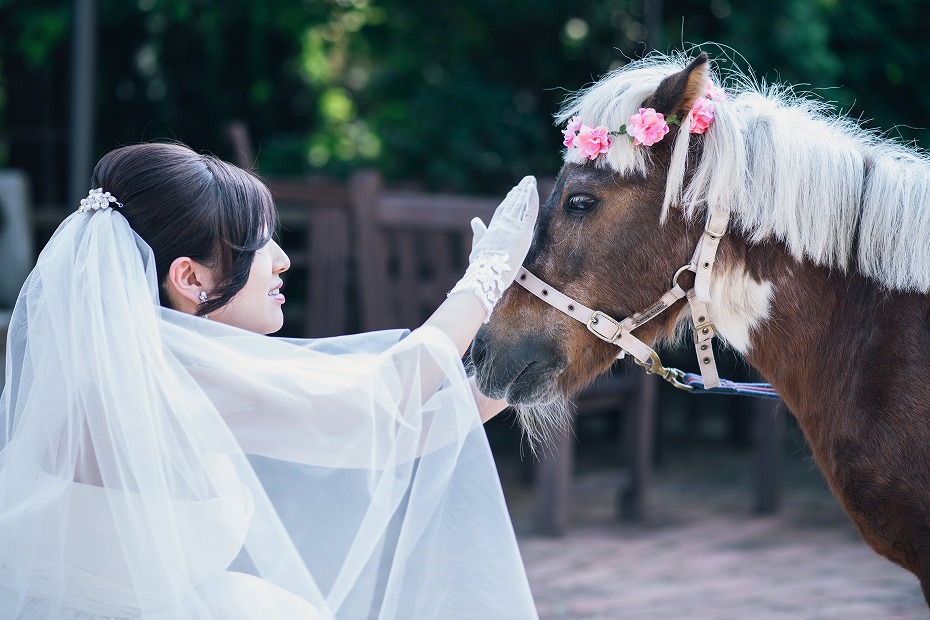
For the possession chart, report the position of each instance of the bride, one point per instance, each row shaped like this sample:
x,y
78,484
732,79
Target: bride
x,y
138,377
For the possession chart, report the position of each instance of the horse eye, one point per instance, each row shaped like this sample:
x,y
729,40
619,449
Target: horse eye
x,y
581,203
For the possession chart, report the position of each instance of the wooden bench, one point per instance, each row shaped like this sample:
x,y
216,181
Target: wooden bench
x,y
410,249
314,214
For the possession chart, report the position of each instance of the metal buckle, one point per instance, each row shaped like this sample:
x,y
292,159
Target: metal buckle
x,y
596,318
708,330
672,375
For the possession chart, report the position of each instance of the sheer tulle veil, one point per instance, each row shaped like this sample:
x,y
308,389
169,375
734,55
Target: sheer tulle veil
x,y
125,489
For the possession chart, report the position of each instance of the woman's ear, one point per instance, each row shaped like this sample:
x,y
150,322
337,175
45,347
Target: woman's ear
x,y
677,93
185,281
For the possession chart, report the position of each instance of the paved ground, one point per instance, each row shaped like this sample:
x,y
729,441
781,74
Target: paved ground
x,y
703,555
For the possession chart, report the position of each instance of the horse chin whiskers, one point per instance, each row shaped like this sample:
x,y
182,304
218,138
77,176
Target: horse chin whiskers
x,y
543,422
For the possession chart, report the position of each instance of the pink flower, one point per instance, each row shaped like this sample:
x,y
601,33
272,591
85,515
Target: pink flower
x,y
571,129
569,138
647,127
593,141
714,92
701,115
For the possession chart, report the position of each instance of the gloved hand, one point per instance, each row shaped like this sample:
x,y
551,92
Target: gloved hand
x,y
499,249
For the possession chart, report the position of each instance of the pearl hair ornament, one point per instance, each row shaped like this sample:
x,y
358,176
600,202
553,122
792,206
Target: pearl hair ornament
x,y
98,199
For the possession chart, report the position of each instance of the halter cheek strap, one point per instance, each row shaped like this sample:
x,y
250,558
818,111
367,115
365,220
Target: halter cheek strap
x,y
619,333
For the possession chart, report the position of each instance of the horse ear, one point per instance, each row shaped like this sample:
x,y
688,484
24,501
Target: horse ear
x,y
677,93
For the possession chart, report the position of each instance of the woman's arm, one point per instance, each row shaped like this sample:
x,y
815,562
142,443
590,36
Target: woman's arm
x,y
459,317
487,407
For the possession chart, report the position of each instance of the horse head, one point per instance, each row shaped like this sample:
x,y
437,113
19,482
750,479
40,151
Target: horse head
x,y
604,237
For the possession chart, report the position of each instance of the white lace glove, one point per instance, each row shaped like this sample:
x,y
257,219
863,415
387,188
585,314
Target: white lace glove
x,y
498,250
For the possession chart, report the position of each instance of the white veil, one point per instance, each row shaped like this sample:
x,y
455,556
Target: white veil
x,y
125,490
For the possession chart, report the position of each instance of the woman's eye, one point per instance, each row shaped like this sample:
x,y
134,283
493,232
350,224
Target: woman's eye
x,y
581,203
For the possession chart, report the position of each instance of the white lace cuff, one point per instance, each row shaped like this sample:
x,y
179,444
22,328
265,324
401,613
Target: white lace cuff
x,y
485,278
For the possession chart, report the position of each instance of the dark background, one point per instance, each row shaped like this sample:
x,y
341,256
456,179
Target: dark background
x,y
454,94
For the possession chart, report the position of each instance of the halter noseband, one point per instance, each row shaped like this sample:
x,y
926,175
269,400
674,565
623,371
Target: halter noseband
x,y
619,333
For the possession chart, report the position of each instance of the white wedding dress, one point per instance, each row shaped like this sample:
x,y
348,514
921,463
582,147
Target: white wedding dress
x,y
125,490
98,583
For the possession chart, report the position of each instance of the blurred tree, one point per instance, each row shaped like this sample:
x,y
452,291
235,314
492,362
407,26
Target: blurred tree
x,y
182,69
885,54
455,95
865,56
458,94
33,135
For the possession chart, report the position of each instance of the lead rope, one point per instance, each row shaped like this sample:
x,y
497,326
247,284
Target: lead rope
x,y
618,333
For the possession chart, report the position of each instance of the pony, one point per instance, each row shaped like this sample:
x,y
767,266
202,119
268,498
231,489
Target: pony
x,y
820,280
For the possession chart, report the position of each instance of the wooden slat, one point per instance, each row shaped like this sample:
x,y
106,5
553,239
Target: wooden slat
x,y
328,251
301,190
433,212
637,451
554,483
439,256
406,295
370,253
770,429
316,211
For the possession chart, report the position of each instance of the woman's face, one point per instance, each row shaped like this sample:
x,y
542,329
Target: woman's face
x,y
257,307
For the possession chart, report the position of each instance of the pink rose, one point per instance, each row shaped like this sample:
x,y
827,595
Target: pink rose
x,y
593,141
701,115
714,92
570,130
647,127
569,138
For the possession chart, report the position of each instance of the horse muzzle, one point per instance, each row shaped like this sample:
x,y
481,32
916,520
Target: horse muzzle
x,y
524,372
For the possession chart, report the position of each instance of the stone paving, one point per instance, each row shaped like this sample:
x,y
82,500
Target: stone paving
x,y
703,555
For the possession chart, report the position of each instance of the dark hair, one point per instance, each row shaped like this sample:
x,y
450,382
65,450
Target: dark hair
x,y
186,204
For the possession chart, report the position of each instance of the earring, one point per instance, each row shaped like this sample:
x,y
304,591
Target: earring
x,y
203,297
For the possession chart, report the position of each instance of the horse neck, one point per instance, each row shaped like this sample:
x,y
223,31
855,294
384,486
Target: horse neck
x,y
804,327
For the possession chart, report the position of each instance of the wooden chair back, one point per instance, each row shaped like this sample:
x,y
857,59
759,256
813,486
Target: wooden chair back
x,y
412,247
315,215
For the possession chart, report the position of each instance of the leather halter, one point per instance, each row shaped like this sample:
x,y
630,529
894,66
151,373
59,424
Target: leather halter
x,y
619,333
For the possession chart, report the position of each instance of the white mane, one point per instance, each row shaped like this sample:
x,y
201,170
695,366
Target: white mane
x,y
786,168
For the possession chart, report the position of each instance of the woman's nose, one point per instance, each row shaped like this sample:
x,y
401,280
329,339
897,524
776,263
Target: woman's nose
x,y
281,261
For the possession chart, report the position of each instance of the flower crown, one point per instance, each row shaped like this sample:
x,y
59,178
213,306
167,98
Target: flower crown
x,y
646,127
98,199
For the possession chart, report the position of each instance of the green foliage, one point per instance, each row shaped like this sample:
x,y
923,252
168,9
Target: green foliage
x,y
458,95
866,57
455,95
35,32
884,49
